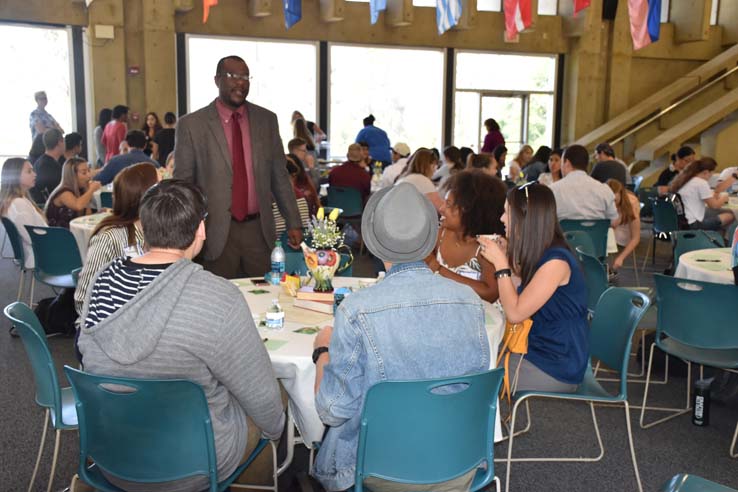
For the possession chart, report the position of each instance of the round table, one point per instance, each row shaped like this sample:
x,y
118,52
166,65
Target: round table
x,y
707,265
82,227
291,351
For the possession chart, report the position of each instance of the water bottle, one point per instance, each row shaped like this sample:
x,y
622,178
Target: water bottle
x,y
278,258
275,316
701,403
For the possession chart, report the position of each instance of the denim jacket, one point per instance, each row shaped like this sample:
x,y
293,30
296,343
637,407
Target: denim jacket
x,y
412,325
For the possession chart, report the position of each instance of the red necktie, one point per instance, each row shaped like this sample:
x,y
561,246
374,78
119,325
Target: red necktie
x,y
239,190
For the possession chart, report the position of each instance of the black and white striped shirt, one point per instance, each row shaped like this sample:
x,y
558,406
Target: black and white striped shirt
x,y
117,284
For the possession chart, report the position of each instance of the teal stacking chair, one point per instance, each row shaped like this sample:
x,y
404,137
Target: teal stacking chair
x,y
596,229
692,483
19,258
56,255
347,199
106,199
58,402
580,241
616,317
429,431
595,276
646,195
686,241
696,323
145,431
665,222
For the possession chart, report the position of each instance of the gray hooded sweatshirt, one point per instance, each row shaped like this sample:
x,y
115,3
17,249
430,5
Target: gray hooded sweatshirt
x,y
191,324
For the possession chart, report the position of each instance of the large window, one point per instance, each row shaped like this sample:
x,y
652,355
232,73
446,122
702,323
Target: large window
x,y
516,90
40,61
402,88
277,88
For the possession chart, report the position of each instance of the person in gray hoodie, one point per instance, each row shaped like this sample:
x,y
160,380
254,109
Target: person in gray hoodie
x,y
162,316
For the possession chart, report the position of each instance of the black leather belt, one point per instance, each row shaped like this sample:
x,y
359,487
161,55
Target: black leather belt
x,y
248,218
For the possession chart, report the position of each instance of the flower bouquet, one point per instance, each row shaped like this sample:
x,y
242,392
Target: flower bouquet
x,y
324,258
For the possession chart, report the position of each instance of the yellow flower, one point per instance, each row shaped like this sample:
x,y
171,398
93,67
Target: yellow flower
x,y
334,214
320,214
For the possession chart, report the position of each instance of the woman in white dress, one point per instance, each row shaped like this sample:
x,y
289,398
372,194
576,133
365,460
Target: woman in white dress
x,y
474,204
17,178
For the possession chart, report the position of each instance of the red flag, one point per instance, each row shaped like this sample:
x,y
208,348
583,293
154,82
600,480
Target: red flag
x,y
580,5
206,4
518,17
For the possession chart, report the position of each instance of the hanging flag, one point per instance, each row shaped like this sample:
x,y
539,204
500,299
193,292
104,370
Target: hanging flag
x,y
580,5
518,17
448,13
645,22
206,4
376,6
292,12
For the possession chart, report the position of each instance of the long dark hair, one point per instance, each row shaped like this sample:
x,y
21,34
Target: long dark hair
x,y
692,170
128,187
533,228
480,199
106,114
453,154
145,126
303,181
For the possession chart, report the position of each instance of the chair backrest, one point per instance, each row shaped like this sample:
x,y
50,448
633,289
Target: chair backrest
x,y
595,276
665,218
55,250
348,199
424,432
106,199
143,430
580,240
597,230
15,241
692,483
616,317
646,196
686,241
700,314
29,328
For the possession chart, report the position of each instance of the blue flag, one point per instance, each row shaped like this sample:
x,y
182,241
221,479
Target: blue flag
x,y
376,6
654,19
448,13
292,12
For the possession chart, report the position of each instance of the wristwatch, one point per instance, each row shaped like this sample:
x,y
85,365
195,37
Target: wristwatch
x,y
318,352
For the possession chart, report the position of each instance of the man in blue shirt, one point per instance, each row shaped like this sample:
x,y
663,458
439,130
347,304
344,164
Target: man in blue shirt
x,y
136,140
412,325
379,144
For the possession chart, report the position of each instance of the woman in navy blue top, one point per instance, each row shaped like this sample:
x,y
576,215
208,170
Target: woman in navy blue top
x,y
552,291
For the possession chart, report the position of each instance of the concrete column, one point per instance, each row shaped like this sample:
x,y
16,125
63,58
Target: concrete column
x,y
107,56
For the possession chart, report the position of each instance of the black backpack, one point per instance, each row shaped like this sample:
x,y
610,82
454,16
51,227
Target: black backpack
x,y
57,314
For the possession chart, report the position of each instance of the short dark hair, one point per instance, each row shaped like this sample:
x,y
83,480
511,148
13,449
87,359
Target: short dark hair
x,y
119,111
369,120
294,143
605,148
480,161
170,118
71,140
480,199
52,137
136,139
364,144
171,212
221,62
685,151
578,156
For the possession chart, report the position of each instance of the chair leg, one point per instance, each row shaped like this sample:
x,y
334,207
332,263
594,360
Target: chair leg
x,y
275,474
635,269
675,412
40,450
645,258
53,461
733,451
632,448
20,285
2,248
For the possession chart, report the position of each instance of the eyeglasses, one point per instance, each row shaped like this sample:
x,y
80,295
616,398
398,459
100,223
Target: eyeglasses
x,y
231,75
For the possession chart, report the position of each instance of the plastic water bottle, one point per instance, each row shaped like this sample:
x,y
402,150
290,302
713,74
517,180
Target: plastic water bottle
x,y
275,316
278,258
701,403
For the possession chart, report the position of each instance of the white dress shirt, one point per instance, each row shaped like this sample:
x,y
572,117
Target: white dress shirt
x,y
581,197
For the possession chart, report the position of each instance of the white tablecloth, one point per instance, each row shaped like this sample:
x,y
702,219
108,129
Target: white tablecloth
x,y
82,228
291,352
707,265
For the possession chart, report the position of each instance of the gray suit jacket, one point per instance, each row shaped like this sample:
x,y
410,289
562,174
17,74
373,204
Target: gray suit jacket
x,y
201,156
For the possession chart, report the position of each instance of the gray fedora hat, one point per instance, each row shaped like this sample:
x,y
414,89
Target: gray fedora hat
x,y
399,224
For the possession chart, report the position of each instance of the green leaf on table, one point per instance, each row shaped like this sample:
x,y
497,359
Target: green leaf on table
x,y
259,291
308,330
272,345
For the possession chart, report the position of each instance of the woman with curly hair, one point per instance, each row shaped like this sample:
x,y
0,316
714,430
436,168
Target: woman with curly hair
x,y
474,204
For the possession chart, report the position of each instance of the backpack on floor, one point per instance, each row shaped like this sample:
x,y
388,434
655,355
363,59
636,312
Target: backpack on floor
x,y
57,314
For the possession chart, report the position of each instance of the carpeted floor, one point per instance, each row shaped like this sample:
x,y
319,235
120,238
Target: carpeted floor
x,y
558,428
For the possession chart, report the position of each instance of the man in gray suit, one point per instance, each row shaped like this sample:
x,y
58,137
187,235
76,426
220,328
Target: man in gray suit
x,y
232,150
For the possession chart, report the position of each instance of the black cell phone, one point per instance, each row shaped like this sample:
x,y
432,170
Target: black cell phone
x,y
259,282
